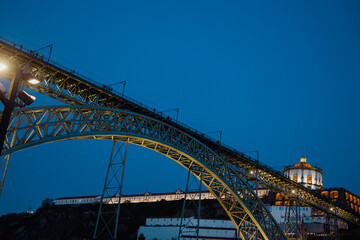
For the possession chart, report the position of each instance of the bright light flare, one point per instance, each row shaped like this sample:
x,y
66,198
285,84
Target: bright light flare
x,y
33,81
2,66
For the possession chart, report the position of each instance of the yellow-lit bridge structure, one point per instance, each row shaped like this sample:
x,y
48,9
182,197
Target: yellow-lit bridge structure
x,y
91,111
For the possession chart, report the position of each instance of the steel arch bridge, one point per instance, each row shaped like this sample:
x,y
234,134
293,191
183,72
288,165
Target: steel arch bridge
x,y
34,126
73,89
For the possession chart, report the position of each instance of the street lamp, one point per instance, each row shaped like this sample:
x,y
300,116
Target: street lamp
x,y
2,66
9,101
123,83
173,109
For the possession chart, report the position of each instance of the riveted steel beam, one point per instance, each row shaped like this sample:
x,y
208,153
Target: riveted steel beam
x,y
55,123
71,88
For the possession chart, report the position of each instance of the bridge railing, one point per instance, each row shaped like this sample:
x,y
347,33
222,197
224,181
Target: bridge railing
x,y
140,104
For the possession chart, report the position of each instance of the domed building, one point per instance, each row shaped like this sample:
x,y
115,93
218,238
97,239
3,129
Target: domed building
x,y
305,174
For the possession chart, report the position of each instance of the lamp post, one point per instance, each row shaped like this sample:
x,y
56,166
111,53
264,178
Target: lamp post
x,y
173,109
219,132
123,83
9,105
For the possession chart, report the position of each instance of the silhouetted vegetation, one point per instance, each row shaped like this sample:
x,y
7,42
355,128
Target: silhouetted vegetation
x,y
78,221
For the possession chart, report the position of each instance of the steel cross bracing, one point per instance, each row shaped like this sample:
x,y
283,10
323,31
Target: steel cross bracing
x,y
109,210
33,126
190,220
60,83
292,220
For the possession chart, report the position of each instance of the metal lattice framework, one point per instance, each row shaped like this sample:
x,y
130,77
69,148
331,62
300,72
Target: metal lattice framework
x,y
109,209
65,85
35,126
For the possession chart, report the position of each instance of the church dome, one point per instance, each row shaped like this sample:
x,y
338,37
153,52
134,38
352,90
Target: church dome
x,y
305,174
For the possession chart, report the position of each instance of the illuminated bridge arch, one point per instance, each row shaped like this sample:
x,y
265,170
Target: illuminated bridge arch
x,y
38,125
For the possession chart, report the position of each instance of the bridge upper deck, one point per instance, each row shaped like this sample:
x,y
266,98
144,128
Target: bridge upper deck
x,y
69,87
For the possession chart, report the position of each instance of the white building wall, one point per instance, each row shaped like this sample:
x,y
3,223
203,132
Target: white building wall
x,y
147,197
160,232
302,177
168,228
70,201
209,223
278,212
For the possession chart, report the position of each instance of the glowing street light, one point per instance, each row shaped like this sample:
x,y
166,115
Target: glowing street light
x,y
9,99
33,81
2,66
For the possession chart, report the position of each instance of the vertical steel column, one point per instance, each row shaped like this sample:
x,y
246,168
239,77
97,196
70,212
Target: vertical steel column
x,y
9,106
7,157
109,209
186,230
292,219
335,227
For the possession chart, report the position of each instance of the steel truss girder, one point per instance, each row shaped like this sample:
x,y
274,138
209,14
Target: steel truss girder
x,y
58,83
279,183
71,88
34,126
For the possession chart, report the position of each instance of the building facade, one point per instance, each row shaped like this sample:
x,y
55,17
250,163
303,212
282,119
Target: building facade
x,y
305,174
343,197
168,228
146,197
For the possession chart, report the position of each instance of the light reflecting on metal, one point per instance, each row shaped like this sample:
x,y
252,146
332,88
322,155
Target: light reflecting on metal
x,y
26,98
223,180
73,122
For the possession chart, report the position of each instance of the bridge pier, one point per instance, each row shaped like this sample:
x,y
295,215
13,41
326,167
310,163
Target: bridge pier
x,y
109,209
190,226
292,220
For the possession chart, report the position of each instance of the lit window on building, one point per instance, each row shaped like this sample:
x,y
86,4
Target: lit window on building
x,y
334,194
325,193
351,197
295,178
347,195
279,196
309,180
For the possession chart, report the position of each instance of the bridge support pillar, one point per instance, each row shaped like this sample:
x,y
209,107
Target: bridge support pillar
x,y
190,214
109,209
331,227
292,221
7,159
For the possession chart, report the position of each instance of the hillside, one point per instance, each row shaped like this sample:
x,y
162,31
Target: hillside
x,y
78,222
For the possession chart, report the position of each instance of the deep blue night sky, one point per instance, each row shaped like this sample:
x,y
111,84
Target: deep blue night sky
x,y
279,76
